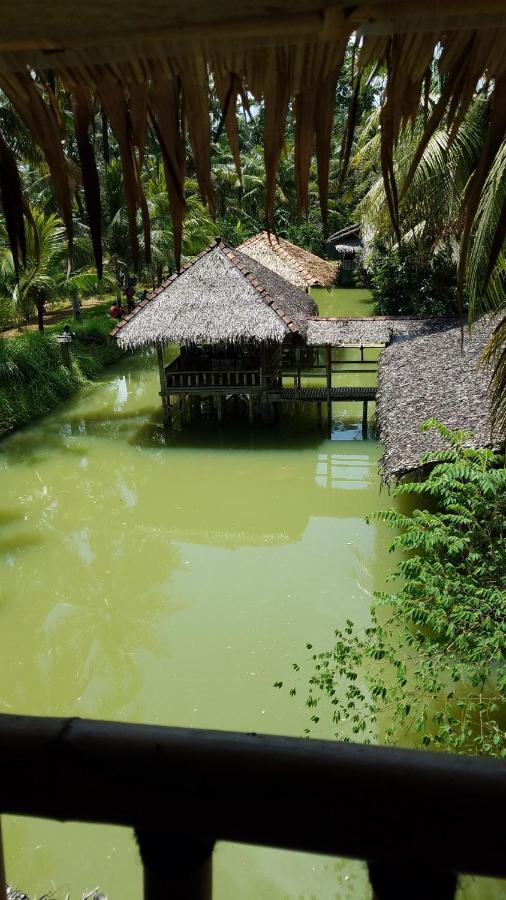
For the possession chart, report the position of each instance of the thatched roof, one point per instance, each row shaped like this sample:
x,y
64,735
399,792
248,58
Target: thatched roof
x,y
432,376
347,240
293,263
372,331
151,61
220,297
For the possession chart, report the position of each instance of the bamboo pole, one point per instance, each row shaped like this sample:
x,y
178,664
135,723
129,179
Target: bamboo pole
x,y
163,383
364,421
328,359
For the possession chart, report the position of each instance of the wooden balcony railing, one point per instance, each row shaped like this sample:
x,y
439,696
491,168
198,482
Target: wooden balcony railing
x,y
416,817
212,379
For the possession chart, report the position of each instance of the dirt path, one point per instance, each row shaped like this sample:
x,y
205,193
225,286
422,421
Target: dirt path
x,y
49,319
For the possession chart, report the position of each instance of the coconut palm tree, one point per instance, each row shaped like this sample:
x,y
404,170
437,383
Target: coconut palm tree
x,y
430,210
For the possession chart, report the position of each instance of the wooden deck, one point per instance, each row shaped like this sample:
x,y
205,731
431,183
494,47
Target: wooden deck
x,y
321,395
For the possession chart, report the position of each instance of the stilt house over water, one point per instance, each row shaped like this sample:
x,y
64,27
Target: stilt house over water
x,y
231,317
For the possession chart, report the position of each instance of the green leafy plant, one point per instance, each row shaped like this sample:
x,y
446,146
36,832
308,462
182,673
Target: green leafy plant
x,y
432,663
404,284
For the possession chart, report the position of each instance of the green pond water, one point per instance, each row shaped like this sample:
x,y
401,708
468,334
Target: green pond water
x,y
172,577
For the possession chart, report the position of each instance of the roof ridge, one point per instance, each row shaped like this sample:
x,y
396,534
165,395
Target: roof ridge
x,y
261,290
165,284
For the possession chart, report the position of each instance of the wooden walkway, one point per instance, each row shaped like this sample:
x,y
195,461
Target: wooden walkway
x,y
320,394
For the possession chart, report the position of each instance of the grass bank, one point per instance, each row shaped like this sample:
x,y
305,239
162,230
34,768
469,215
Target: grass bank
x,y
33,378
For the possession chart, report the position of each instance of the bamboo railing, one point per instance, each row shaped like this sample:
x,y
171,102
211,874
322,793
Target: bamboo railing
x,y
412,815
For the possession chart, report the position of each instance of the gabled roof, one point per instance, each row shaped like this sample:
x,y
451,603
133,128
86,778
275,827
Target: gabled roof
x,y
350,231
298,266
222,296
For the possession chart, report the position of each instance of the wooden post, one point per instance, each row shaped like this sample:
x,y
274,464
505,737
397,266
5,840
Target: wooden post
x,y
250,408
3,879
361,352
175,866
319,414
219,405
328,355
163,384
364,421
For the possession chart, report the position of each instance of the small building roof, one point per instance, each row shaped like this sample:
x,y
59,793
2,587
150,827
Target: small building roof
x,y
222,296
433,376
348,232
347,240
293,263
371,331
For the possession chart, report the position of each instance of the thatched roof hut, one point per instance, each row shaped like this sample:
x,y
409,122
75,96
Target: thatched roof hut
x,y
372,331
222,297
293,263
432,376
345,242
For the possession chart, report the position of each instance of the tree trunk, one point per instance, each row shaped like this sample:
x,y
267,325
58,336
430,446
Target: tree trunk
x,y
105,138
40,315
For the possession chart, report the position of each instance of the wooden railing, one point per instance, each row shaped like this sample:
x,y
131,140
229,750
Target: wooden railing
x,y
416,817
212,379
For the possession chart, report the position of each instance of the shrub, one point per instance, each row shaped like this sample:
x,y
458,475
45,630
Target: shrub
x,y
434,665
402,284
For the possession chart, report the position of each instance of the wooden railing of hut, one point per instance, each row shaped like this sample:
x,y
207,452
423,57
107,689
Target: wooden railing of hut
x,y
212,379
417,818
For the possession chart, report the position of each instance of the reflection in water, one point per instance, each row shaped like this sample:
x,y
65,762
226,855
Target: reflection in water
x,y
154,576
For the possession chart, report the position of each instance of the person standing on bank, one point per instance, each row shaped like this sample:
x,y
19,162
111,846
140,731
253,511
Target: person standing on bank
x,y
76,308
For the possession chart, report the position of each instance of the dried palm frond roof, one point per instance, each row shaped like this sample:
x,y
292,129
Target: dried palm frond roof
x,y
433,376
296,265
151,61
348,232
371,331
220,298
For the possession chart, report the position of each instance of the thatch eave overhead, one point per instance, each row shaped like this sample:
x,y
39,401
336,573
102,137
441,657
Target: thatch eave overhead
x,y
151,62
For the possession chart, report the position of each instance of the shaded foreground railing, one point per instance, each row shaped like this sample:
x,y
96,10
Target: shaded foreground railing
x,y
416,817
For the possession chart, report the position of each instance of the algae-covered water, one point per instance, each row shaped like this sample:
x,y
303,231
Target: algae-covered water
x,y
172,577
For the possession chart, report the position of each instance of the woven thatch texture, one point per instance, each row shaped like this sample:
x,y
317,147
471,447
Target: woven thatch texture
x,y
432,377
153,60
368,331
222,297
296,303
293,263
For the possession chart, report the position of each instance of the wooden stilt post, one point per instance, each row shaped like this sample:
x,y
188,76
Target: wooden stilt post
x,y
364,421
250,408
328,354
219,404
361,352
163,384
175,866
3,879
319,414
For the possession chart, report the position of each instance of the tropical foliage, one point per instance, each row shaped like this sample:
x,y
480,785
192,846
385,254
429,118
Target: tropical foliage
x,y
430,210
33,377
433,662
404,285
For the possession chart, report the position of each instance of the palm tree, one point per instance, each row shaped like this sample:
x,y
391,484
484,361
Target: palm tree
x,y
430,211
45,279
